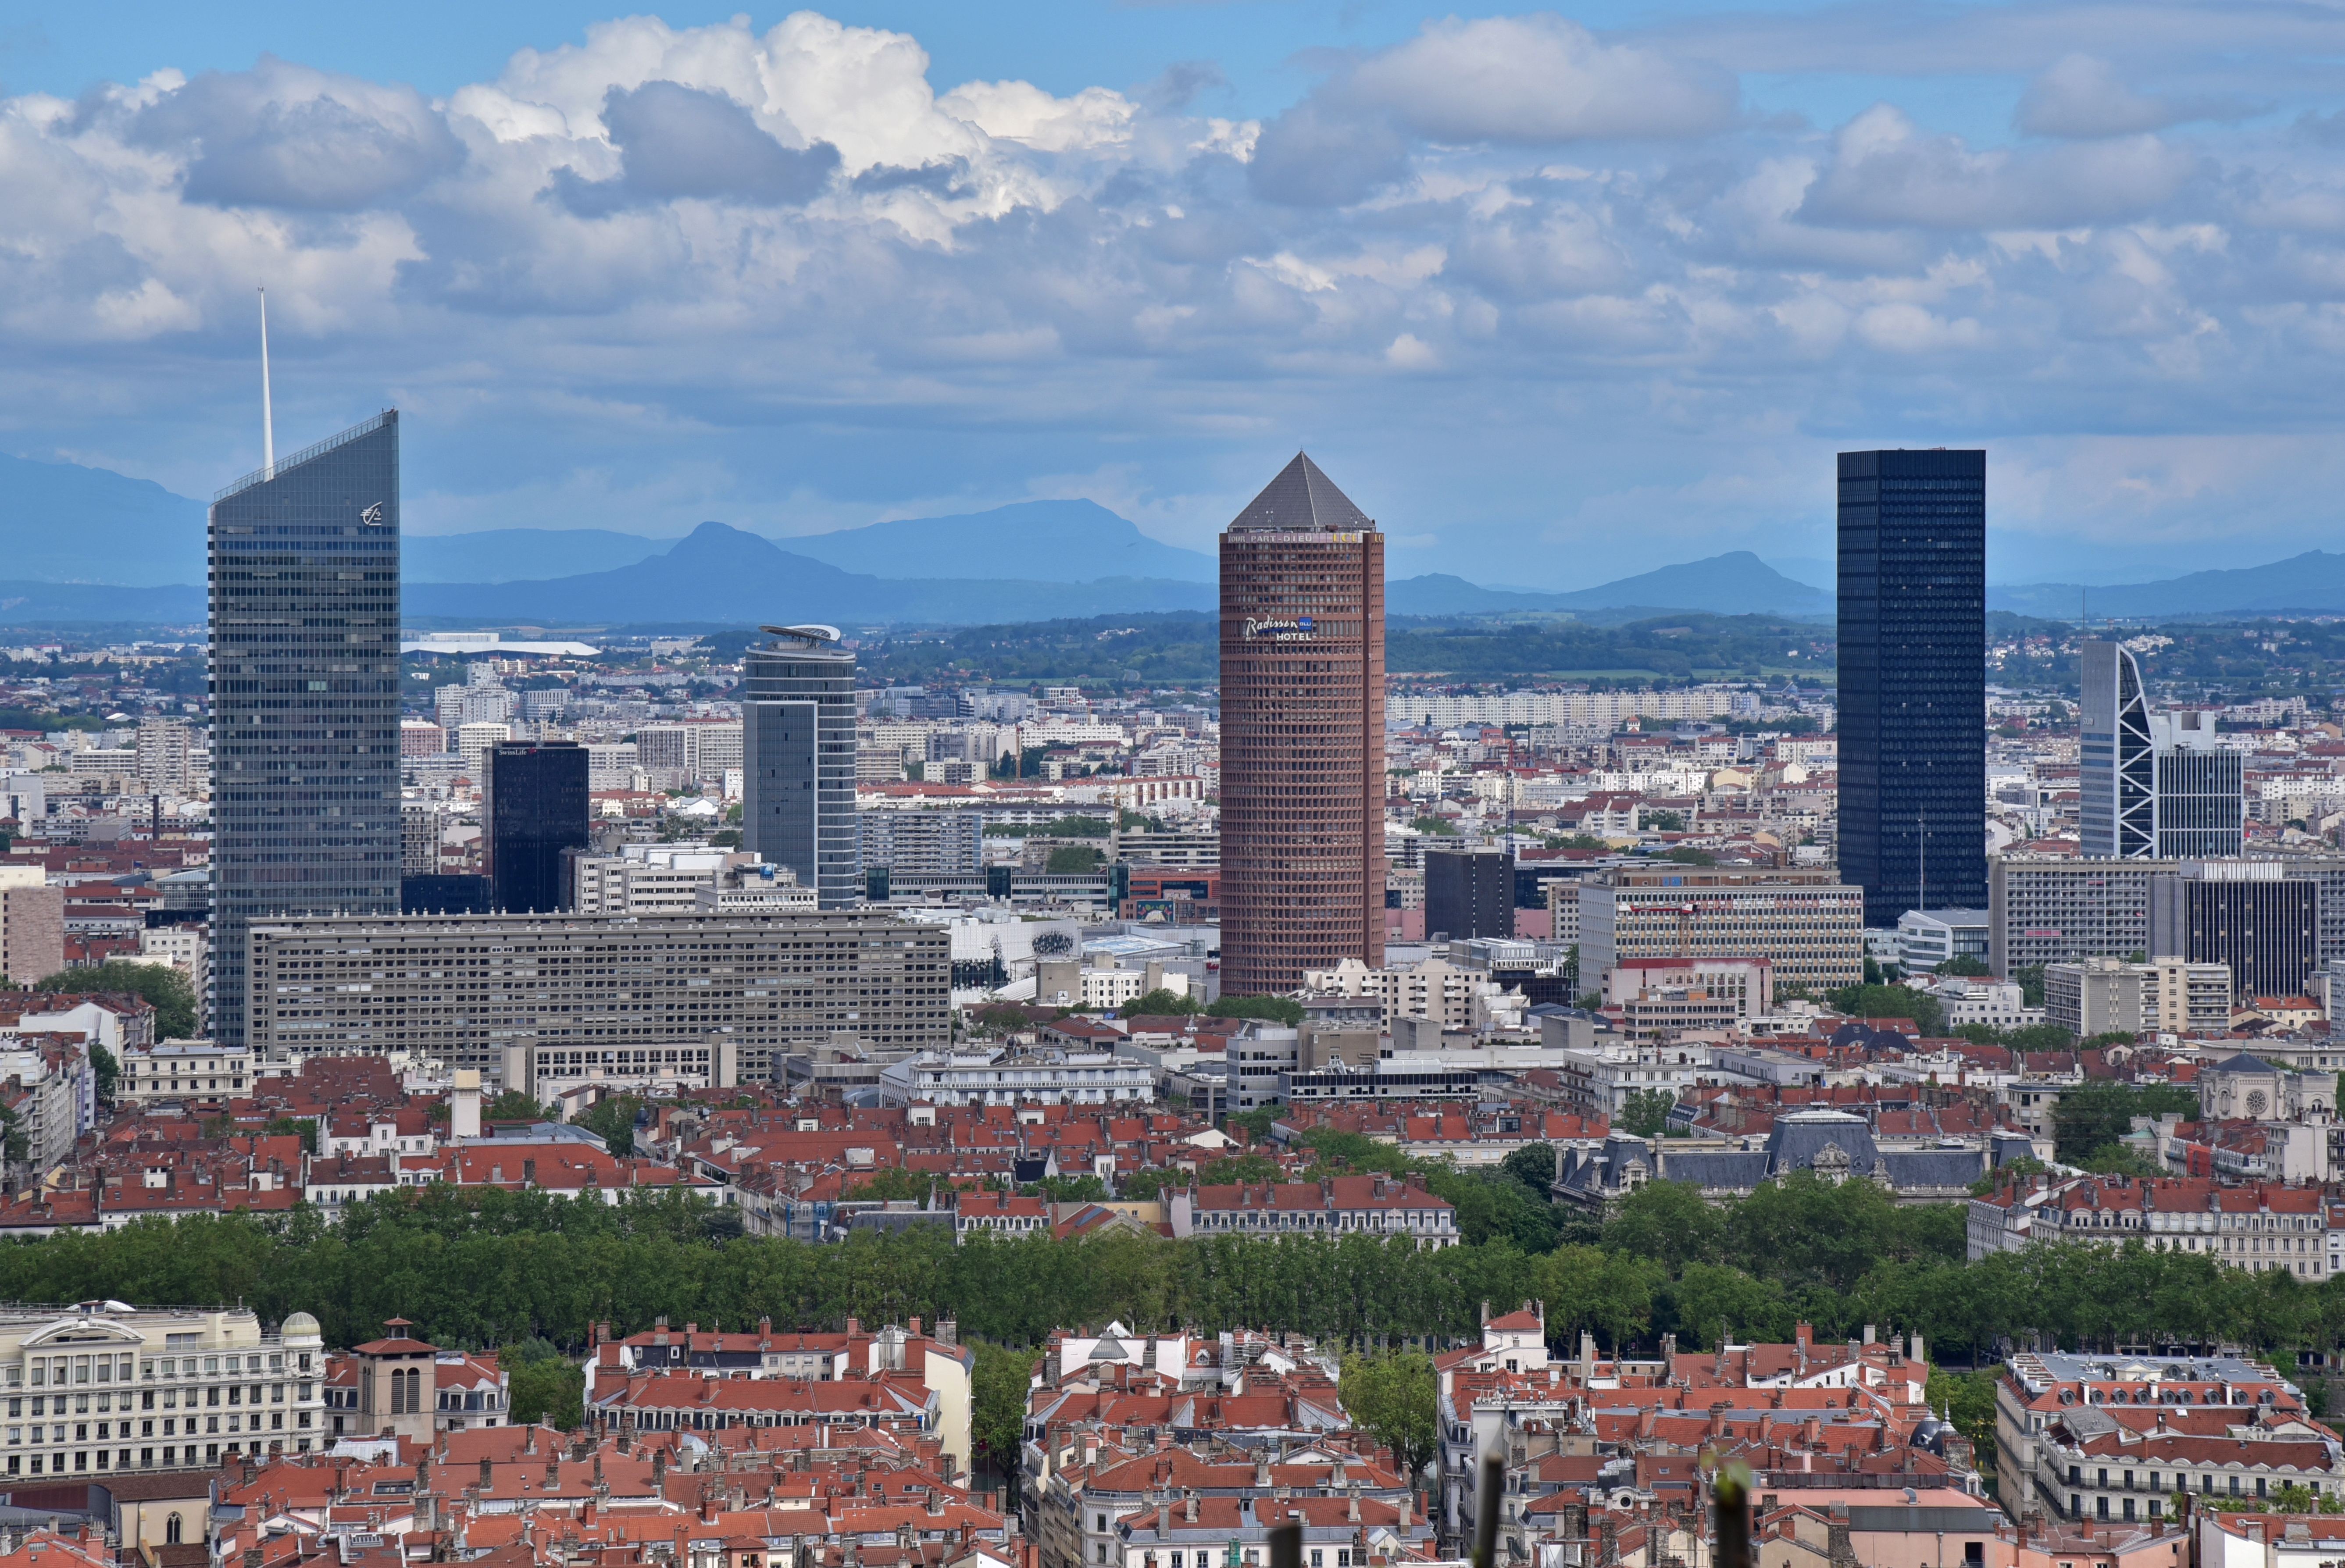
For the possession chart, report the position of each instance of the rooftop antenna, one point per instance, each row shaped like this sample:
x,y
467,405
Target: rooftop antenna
x,y
268,421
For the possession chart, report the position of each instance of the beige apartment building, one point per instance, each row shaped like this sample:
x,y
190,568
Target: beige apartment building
x,y
99,1389
465,988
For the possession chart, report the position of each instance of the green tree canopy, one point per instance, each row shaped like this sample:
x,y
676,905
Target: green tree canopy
x,y
1160,1003
1891,1002
1284,1010
1964,963
1645,1112
1393,1394
2099,1112
162,985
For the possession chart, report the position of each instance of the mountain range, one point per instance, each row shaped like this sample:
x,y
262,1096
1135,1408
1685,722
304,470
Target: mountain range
x,y
80,543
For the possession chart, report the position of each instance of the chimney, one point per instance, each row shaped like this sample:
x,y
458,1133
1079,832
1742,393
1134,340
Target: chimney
x,y
464,1104
486,1481
948,1332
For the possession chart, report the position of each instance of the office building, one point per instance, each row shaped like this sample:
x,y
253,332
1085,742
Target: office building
x,y
2051,911
1912,680
1809,925
447,892
2152,784
464,989
1469,894
797,714
2251,914
662,878
2175,995
1929,937
1303,732
532,807
922,843
304,605
419,839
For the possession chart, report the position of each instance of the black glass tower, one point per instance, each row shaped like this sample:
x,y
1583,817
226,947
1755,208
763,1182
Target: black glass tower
x,y
305,696
1912,680
797,741
1469,893
535,807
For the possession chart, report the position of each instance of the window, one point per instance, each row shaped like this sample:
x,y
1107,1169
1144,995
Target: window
x,y
171,1528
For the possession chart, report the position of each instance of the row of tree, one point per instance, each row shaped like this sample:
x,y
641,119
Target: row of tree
x,y
485,1267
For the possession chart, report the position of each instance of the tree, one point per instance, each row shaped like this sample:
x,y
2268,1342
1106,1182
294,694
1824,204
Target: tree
x,y
1284,1010
1073,860
162,985
2031,984
2099,1112
998,1389
893,1185
1533,1164
1160,1003
1929,1015
1393,1394
1256,1121
1080,1188
1686,854
613,1120
1964,963
107,1069
1667,1222
1645,1112
513,1105
542,1386
1438,827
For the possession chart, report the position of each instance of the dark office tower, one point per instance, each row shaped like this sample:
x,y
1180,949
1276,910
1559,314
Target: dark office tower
x,y
798,744
535,806
305,696
1303,735
1469,893
1912,680
2249,914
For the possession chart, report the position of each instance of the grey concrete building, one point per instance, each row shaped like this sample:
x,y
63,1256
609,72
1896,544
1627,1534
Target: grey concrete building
x,y
2053,911
465,988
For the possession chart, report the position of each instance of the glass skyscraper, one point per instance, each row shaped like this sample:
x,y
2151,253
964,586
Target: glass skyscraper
x,y
1912,680
797,742
305,696
2151,784
535,807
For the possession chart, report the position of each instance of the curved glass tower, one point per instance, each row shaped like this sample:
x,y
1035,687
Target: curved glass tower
x,y
305,696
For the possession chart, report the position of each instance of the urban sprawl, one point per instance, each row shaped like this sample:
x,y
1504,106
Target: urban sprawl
x,y
571,1098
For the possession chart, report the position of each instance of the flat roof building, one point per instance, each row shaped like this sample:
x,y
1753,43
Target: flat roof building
x,y
1913,679
465,988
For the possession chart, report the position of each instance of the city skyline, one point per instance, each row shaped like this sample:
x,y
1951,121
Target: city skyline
x,y
1149,248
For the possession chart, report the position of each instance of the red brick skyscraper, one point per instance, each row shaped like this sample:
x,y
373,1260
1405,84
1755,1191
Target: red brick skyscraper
x,y
1303,735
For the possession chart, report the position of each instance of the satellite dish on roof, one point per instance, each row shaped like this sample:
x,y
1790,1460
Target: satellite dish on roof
x,y
810,633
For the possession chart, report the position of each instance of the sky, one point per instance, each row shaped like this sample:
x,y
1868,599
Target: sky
x,y
1556,296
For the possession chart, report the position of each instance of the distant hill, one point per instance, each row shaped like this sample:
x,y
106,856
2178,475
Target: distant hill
x,y
1736,583
2314,580
61,522
1031,541
719,574
38,603
509,554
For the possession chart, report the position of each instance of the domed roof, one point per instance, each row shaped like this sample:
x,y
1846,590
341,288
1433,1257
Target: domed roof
x,y
298,1325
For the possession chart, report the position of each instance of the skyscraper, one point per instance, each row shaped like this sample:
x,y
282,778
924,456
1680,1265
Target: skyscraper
x,y
2152,784
1469,893
534,805
1912,680
1302,734
2249,914
305,696
797,736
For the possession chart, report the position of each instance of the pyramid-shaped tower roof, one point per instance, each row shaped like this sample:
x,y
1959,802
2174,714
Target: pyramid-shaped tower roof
x,y
1302,499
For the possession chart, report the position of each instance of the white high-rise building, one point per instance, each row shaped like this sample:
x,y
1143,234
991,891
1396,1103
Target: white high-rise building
x,y
2152,785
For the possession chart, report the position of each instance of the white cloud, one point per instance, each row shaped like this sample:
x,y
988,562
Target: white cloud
x,y
1539,80
781,279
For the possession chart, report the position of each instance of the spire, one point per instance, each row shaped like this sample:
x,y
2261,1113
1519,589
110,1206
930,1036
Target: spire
x,y
1302,499
268,421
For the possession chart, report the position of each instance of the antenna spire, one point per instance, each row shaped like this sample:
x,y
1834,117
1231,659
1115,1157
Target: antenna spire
x,y
268,419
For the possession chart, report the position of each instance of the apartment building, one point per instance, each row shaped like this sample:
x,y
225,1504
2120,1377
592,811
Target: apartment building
x,y
466,986
645,878
2057,911
184,1070
99,1389
2175,995
1807,925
